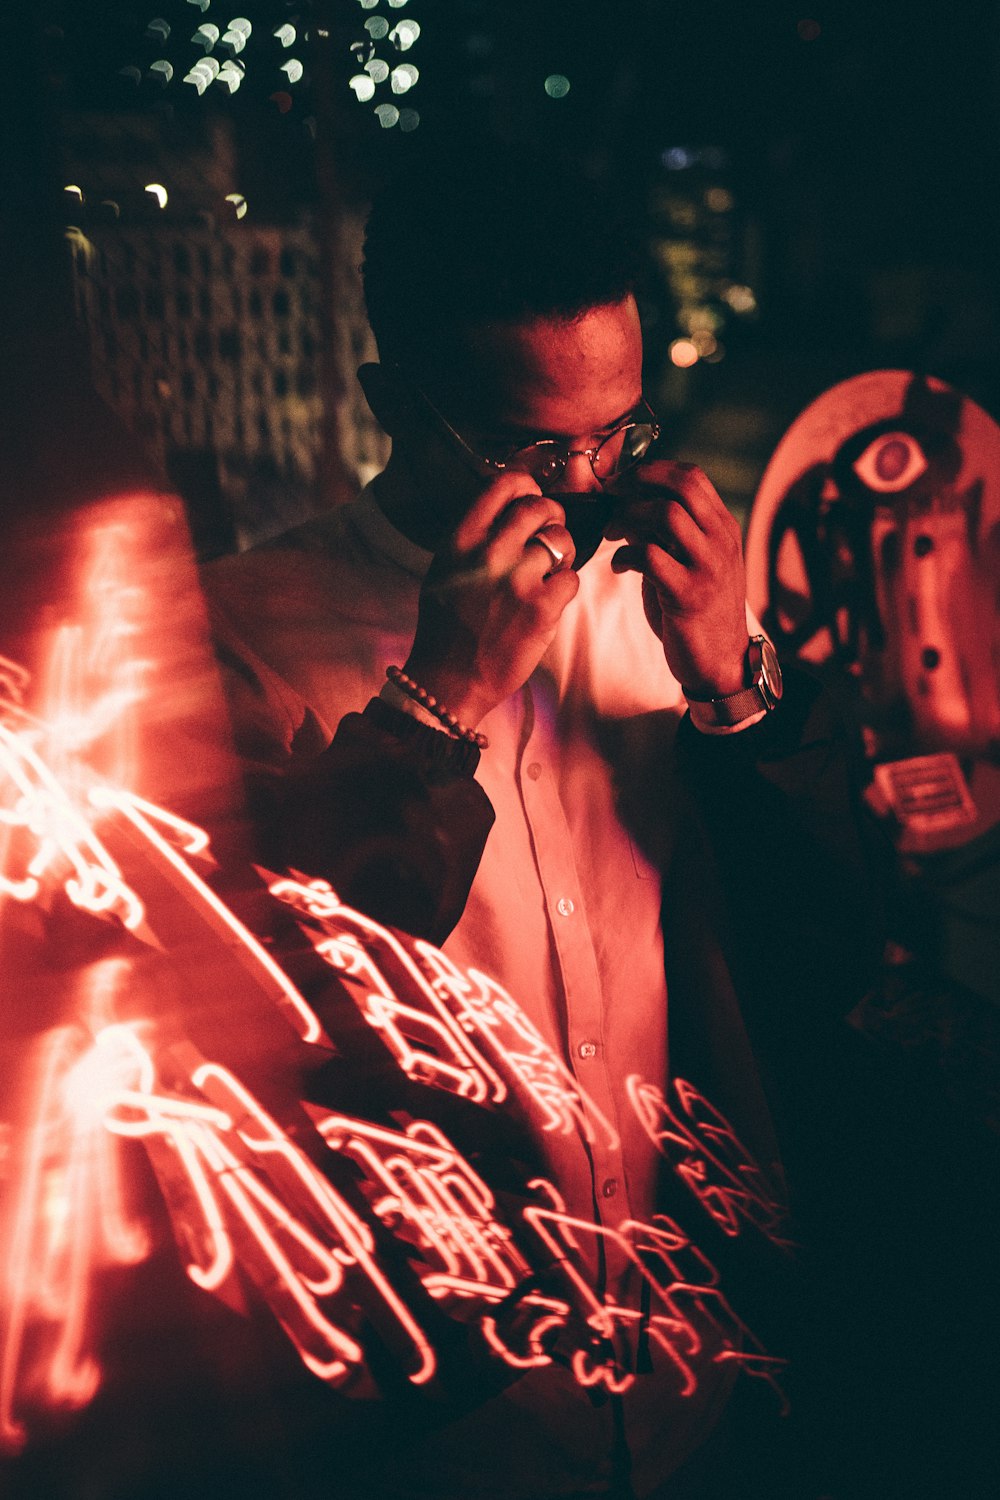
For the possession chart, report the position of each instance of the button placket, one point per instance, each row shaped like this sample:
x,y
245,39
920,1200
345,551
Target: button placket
x,y
576,961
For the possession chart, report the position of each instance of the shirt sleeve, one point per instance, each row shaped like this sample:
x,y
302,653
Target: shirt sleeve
x,y
803,868
389,813
384,807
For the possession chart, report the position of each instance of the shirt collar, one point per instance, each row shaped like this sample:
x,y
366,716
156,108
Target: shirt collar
x,y
381,535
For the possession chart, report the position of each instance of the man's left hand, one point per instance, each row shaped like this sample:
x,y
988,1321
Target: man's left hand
x,y
688,548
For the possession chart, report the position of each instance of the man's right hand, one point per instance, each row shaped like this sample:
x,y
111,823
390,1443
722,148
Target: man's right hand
x,y
491,600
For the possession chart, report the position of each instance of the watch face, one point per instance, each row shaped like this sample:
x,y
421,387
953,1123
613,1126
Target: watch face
x,y
770,669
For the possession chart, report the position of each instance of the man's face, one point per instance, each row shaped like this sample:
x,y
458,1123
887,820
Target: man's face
x,y
543,378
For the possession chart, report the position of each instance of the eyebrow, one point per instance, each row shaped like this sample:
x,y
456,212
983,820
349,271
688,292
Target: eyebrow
x,y
518,434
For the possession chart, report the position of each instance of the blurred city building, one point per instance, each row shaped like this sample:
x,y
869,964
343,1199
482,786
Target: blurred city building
x,y
208,331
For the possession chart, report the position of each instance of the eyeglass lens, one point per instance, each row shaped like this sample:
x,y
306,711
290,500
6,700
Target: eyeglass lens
x,y
546,461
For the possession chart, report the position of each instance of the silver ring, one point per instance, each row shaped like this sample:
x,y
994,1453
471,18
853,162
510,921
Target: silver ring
x,y
558,558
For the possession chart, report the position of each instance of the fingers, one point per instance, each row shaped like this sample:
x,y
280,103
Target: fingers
x,y
507,544
667,535
558,587
487,515
655,563
678,531
685,484
555,541
544,585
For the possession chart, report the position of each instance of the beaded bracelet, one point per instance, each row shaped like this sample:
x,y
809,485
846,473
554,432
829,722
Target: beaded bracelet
x,y
427,700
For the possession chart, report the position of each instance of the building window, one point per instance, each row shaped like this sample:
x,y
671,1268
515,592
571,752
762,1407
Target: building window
x,y
230,344
127,302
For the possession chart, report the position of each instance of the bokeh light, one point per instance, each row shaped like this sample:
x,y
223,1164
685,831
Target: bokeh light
x,y
202,74
719,200
235,38
206,36
387,114
230,77
677,158
403,78
557,86
683,353
363,85
741,299
404,34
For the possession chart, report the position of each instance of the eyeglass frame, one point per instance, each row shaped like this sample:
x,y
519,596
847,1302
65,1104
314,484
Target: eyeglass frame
x,y
500,466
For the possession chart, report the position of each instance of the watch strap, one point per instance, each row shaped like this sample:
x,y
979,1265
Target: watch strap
x,y
733,709
749,703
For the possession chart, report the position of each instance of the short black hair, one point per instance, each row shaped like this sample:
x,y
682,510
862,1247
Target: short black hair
x,y
482,232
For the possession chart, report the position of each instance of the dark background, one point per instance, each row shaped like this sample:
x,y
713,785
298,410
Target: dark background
x,y
857,142
855,145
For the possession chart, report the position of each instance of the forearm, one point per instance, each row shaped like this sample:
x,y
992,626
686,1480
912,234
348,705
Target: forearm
x,y
389,813
801,867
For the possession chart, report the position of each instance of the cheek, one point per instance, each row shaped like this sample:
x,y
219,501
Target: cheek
x,y
445,487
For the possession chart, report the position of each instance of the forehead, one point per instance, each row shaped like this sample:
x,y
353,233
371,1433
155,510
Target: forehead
x,y
569,376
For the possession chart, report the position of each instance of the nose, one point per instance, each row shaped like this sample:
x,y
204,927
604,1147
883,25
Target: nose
x,y
578,478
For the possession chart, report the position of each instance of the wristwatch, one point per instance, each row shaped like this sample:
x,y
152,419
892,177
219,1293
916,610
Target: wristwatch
x,y
763,694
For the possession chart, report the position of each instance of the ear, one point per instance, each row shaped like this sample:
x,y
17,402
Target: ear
x,y
390,403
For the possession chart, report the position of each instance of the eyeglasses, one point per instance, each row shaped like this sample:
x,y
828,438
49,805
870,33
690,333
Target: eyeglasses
x,y
545,460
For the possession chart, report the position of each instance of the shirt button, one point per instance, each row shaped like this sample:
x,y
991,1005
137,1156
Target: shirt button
x,y
587,1049
534,770
609,1188
565,907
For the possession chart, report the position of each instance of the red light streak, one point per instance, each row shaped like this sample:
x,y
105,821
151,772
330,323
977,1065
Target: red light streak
x,y
62,836
428,1191
453,1064
147,819
683,1277
240,1192
710,1159
435,1045
67,1219
240,1172
483,1007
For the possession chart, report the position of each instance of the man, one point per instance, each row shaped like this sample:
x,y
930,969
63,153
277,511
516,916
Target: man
x,y
623,885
